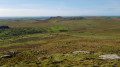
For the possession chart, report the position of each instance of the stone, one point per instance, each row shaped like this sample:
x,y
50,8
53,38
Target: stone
x,y
6,56
109,56
75,52
42,58
14,52
10,54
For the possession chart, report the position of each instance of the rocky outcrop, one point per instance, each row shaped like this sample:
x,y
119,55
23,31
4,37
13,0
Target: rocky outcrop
x,y
6,56
10,54
109,56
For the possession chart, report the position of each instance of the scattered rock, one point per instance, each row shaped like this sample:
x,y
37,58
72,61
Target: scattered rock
x,y
43,51
109,56
42,58
10,54
14,52
75,52
6,56
37,51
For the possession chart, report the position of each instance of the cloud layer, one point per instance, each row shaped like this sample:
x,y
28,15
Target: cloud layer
x,y
57,12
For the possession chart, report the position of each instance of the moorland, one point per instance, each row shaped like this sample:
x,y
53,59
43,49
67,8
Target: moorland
x,y
59,42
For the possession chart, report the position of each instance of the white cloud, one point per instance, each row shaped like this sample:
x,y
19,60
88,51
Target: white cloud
x,y
55,12
24,12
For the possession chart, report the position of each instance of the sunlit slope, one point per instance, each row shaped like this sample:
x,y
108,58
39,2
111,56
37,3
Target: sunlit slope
x,y
98,24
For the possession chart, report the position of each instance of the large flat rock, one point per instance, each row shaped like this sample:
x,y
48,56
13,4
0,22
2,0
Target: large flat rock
x,y
109,56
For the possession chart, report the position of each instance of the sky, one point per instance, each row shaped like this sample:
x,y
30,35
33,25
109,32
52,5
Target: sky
x,y
59,8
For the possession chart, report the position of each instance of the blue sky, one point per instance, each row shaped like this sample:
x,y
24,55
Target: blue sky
x,y
59,7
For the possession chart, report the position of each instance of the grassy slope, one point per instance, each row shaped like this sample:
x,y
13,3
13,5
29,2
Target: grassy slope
x,y
98,35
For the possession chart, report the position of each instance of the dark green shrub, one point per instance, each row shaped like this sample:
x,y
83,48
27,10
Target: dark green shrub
x,y
24,31
56,29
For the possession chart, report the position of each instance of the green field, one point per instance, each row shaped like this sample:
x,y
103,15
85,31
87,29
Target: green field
x,y
51,42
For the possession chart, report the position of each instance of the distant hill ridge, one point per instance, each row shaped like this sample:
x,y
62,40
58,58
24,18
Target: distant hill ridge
x,y
59,18
66,18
